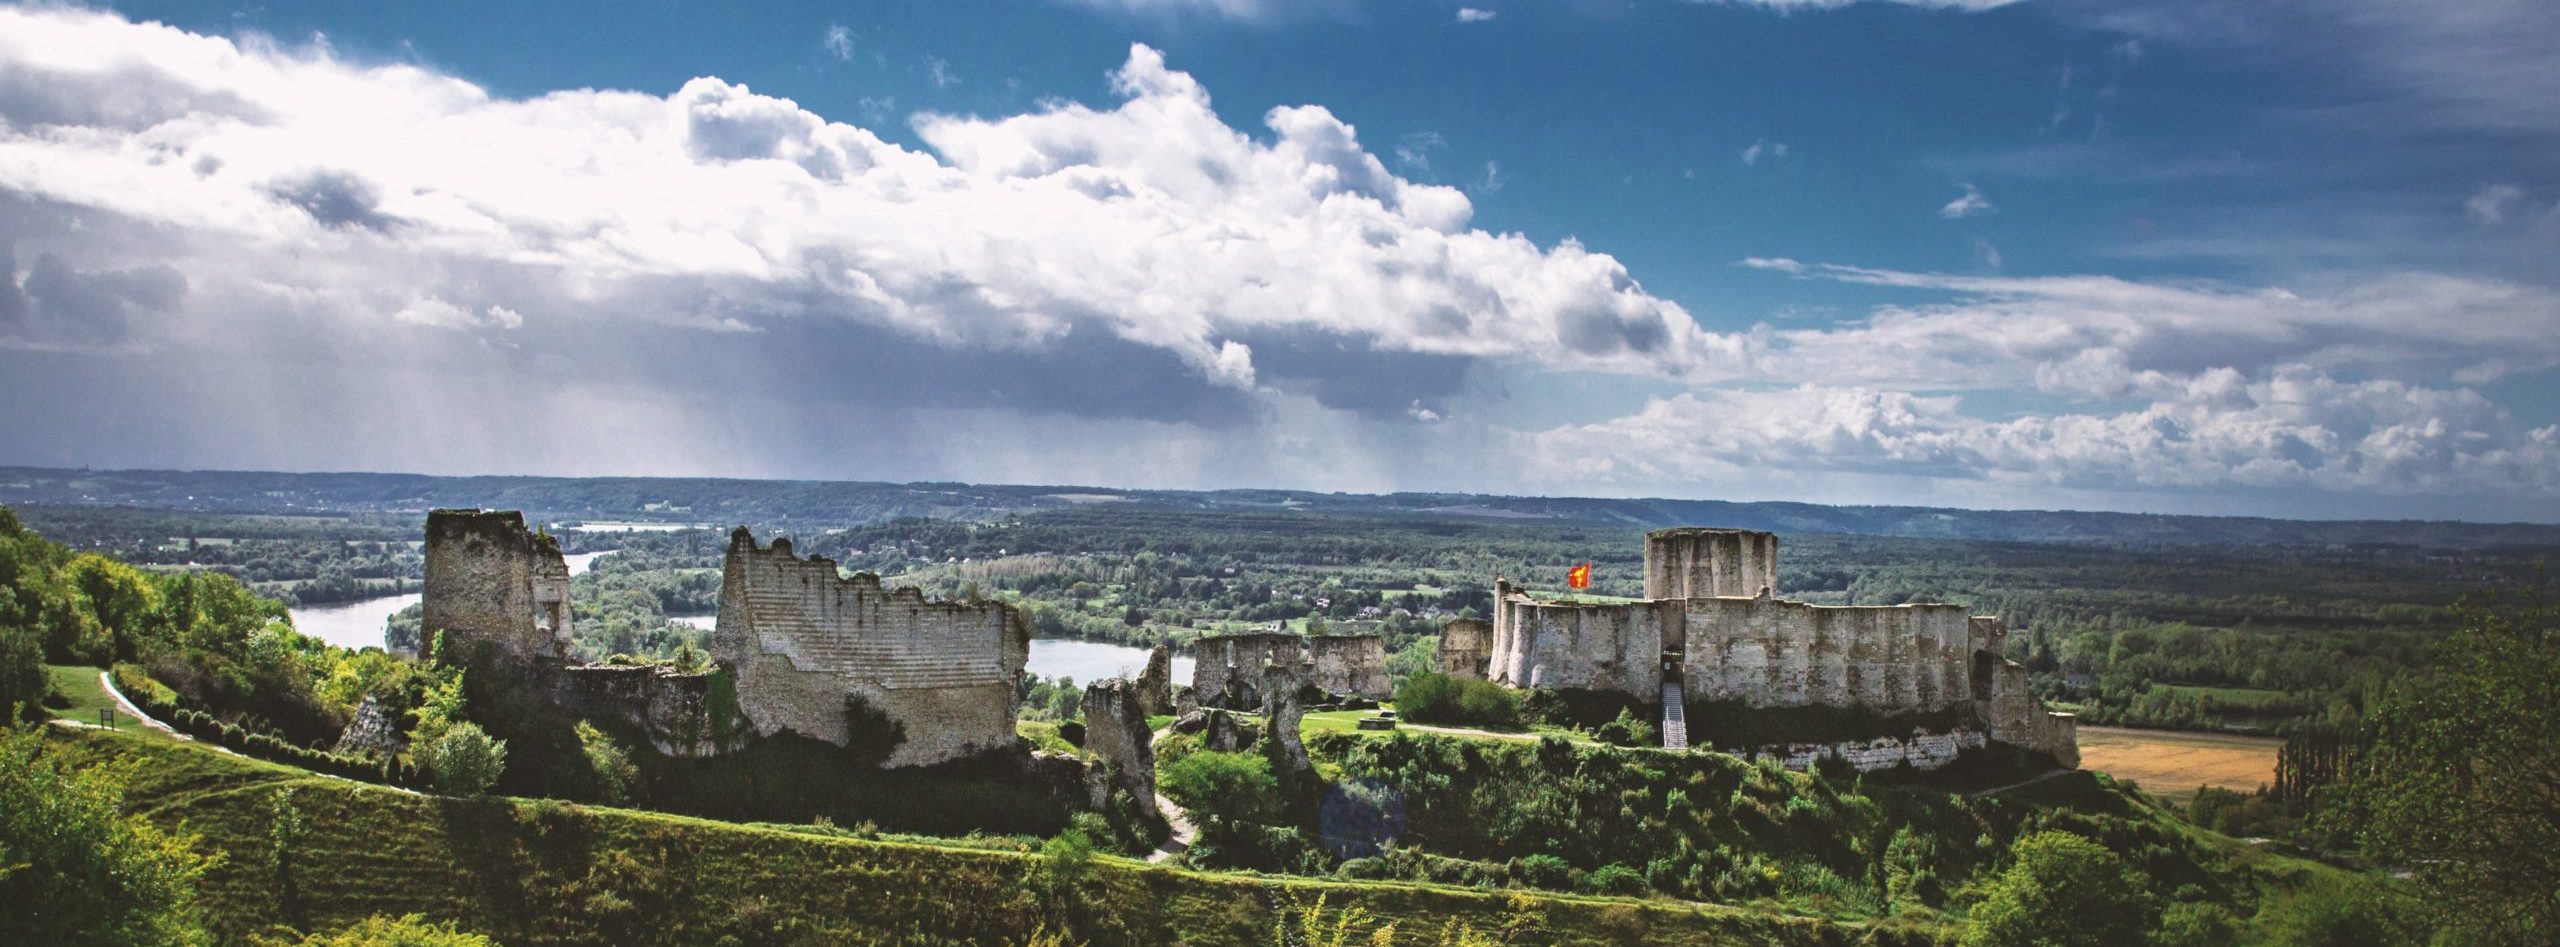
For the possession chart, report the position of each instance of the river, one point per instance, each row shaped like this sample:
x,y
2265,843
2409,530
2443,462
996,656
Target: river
x,y
359,624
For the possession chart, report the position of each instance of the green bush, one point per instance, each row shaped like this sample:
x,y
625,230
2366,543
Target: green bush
x,y
2063,891
1626,730
1439,698
615,775
464,759
74,869
1230,787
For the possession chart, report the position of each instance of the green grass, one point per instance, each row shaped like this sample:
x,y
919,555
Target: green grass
x,y
529,873
79,684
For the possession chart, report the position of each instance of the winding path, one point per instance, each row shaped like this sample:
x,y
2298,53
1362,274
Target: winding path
x,y
1184,833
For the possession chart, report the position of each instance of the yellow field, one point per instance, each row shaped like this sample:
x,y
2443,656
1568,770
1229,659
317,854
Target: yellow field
x,y
2174,764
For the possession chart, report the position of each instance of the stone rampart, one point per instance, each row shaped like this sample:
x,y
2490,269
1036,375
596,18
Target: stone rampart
x,y
1776,653
807,645
1921,750
1578,645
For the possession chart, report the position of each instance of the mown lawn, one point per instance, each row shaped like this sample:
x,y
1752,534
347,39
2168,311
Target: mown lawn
x,y
79,685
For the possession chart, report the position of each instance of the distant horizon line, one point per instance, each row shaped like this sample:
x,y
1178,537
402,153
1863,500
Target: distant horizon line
x,y
1283,490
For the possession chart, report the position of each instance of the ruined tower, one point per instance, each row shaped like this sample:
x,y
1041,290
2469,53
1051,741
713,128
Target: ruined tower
x,y
490,581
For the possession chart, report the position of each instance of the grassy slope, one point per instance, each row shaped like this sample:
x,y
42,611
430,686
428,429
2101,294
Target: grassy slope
x,y
536,873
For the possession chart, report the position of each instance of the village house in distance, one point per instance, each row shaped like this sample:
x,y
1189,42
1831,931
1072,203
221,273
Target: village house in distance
x,y
1711,630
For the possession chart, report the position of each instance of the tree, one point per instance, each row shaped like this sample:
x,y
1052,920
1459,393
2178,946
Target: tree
x,y
2063,891
615,776
2456,782
1225,786
74,869
464,759
23,683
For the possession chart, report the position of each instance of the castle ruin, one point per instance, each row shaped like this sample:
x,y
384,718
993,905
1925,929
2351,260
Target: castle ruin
x,y
803,649
497,594
1711,629
1232,671
810,650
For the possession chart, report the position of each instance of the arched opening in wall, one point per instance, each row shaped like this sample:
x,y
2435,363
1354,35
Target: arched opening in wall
x,y
1984,663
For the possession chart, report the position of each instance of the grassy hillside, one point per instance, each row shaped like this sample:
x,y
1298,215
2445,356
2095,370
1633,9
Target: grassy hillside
x,y
545,873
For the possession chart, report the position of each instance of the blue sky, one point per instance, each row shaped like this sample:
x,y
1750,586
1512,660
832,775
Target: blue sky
x,y
2285,258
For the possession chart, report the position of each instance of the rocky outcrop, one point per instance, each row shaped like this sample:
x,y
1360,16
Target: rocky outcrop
x,y
1155,684
1115,731
371,731
1281,717
1217,729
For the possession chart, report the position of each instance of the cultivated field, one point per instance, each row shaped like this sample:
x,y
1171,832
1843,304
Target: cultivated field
x,y
2174,763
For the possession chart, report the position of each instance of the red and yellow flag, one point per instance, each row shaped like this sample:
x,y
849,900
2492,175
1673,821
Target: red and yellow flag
x,y
1579,577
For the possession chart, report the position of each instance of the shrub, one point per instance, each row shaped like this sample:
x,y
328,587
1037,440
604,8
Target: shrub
x,y
1226,786
99,876
1626,730
464,759
1439,698
1615,879
614,772
2066,891
1545,871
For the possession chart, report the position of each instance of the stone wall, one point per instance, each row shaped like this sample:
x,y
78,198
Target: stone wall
x,y
1578,645
1921,750
1155,684
1704,563
1466,648
1349,666
671,709
1776,653
1230,671
801,640
2017,718
491,581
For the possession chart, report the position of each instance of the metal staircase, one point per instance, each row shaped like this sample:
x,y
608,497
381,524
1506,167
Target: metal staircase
x,y
1675,718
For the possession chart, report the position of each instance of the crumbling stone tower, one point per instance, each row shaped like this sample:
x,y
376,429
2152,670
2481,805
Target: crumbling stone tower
x,y
491,581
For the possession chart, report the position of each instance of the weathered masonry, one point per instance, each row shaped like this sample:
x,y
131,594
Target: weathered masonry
x,y
819,655
498,594
1231,671
1711,630
492,581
